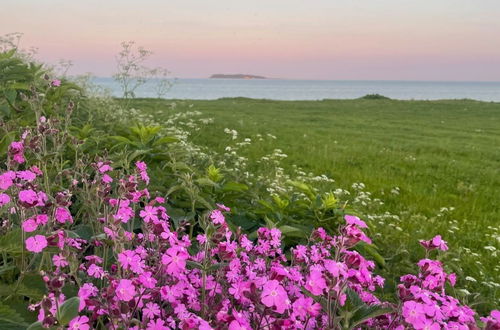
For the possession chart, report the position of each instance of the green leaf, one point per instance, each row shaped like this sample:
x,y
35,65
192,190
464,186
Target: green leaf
x,y
235,186
36,326
206,182
68,310
292,231
11,242
365,313
10,319
165,140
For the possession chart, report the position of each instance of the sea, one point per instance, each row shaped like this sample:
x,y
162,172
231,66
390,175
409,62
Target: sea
x,y
281,89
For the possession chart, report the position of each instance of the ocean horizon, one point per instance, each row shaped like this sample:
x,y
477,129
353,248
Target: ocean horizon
x,y
295,89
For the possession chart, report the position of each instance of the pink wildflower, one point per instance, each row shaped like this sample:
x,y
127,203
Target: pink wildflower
x,y
175,260
36,243
125,290
157,324
56,83
4,199
217,217
29,225
26,175
353,220
315,282
150,213
79,323
273,294
6,180
28,196
59,260
16,151
62,215
151,310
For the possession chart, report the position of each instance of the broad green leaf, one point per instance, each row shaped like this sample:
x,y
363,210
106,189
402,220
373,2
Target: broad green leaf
x,y
68,310
234,186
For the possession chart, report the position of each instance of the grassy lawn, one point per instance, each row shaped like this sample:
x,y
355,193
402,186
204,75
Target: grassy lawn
x,y
438,153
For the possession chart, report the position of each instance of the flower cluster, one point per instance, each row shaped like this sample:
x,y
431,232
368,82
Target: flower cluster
x,y
141,270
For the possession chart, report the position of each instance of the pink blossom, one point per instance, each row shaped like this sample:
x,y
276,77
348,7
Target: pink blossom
x,y
16,151
59,260
95,271
273,294
4,199
107,179
223,207
125,290
315,282
79,323
157,324
150,213
56,83
29,225
414,314
353,220
36,243
28,196
306,307
217,217
6,180
26,175
175,260
62,215
151,310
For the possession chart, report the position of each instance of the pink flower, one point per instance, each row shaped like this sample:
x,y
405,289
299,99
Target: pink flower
x,y
436,243
26,175
414,313
79,323
315,282
16,151
107,179
95,271
59,260
150,213
141,166
36,243
175,260
103,168
4,199
306,307
147,280
157,324
223,207
62,215
56,83
217,217
201,238
41,219
125,290
28,196
273,294
151,310
130,259
6,180
353,220
29,225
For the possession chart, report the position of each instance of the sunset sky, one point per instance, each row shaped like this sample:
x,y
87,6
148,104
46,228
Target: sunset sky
x,y
299,39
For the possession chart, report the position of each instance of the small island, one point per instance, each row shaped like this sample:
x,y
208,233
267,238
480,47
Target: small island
x,y
235,76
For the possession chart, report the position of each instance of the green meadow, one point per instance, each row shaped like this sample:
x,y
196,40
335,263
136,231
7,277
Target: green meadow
x,y
428,167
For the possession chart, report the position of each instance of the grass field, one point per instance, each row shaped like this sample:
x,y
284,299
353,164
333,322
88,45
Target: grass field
x,y
439,154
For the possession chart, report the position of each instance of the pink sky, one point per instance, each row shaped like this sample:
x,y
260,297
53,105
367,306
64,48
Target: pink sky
x,y
316,39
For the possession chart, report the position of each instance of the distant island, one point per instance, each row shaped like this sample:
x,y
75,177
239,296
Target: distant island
x,y
235,76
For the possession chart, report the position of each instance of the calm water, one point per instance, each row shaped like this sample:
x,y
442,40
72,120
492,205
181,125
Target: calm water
x,y
317,89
